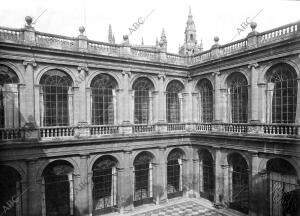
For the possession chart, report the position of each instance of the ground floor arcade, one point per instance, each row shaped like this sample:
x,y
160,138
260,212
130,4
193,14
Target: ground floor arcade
x,y
96,184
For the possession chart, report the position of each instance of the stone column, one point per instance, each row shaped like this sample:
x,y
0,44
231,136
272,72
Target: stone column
x,y
255,103
81,100
270,91
125,183
114,101
81,188
188,111
34,195
262,102
181,116
150,108
88,105
28,100
196,107
220,106
227,183
197,186
297,121
254,185
38,106
219,178
126,97
187,174
156,106
161,175
161,98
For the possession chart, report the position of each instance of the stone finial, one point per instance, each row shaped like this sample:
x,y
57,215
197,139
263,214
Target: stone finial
x,y
253,26
28,20
81,30
125,40
216,45
216,39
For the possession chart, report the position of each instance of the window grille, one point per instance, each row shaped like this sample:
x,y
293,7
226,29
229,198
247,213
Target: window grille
x,y
206,103
104,185
208,175
284,100
239,98
102,88
239,184
55,86
174,174
143,179
142,87
173,101
58,185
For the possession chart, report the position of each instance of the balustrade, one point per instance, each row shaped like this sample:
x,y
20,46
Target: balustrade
x,y
56,132
94,131
143,128
10,134
104,129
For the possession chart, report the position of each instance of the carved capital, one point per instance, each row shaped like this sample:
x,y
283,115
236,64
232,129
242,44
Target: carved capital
x,y
162,75
253,65
217,73
83,68
126,72
29,62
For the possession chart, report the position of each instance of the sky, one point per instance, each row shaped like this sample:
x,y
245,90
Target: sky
x,y
220,18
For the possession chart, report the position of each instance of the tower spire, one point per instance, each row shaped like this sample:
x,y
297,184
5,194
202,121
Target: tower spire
x,y
110,35
163,40
190,37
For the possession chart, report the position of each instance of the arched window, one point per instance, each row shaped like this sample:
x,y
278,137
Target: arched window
x,y
143,184
238,90
207,188
174,105
10,187
283,188
239,182
103,89
282,93
56,98
9,98
206,100
104,185
142,95
58,189
174,173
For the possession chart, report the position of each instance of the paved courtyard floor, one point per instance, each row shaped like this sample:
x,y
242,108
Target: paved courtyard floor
x,y
188,208
183,207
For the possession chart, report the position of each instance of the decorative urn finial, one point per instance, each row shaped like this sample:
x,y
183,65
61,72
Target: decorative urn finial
x,y
253,26
216,39
28,20
81,30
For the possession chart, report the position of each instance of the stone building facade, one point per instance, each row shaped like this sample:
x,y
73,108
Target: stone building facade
x,y
90,127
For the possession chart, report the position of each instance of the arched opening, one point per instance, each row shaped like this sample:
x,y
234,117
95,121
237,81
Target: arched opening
x,y
143,88
174,101
58,197
281,94
174,173
206,108
238,98
238,182
143,178
9,98
207,186
103,99
283,188
104,185
10,190
56,98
